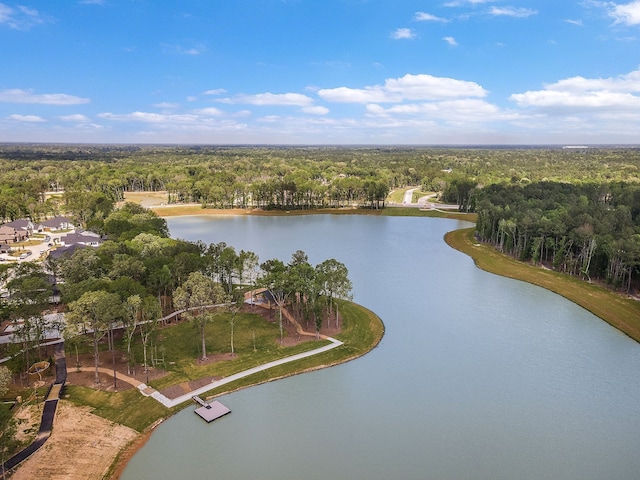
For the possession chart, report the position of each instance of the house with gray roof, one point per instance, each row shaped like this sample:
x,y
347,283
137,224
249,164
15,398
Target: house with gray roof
x,y
58,223
25,225
82,237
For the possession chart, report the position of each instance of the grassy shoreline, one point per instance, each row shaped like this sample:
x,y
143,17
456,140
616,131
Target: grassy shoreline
x,y
367,329
362,331
617,310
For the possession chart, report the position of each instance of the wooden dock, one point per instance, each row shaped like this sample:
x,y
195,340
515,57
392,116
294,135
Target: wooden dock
x,y
210,411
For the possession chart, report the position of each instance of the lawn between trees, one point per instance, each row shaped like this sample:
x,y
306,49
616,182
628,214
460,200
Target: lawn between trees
x,y
361,331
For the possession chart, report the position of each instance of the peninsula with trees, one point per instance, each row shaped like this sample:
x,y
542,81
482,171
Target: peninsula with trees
x,y
133,297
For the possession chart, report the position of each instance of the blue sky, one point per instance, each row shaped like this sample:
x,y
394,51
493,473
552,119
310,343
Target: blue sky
x,y
320,71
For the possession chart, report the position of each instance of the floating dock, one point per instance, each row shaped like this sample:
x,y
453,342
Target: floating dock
x,y
210,411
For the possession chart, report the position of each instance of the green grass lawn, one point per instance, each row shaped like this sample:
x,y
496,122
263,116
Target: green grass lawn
x,y
128,407
416,212
397,196
614,308
362,330
418,194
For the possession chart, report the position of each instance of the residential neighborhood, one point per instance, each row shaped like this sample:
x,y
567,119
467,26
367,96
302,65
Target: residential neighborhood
x,y
23,239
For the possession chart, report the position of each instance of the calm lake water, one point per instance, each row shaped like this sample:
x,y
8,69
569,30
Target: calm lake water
x,y
477,377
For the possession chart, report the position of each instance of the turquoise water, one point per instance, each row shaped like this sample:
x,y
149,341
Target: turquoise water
x,y
477,376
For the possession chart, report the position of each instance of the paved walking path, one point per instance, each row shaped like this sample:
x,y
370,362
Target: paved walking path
x,y
217,383
172,402
169,402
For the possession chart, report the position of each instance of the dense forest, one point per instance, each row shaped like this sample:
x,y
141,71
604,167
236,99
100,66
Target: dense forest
x,y
591,230
572,209
94,177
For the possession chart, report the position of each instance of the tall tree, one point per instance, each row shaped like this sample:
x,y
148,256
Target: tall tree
x,y
30,293
195,295
132,307
82,264
333,276
93,313
149,313
277,281
250,263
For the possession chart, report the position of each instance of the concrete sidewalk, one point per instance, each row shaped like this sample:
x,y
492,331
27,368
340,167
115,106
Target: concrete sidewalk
x,y
169,403
148,391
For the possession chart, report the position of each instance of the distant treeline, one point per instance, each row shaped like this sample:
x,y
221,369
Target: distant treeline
x,y
94,176
574,209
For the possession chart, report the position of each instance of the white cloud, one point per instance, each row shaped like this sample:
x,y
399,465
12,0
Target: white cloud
x,y
462,110
167,105
27,96
575,22
210,112
511,12
460,3
577,101
451,41
356,95
198,126
74,118
91,2
629,82
403,34
627,14
316,110
149,117
215,91
26,118
181,50
427,17
21,17
408,87
268,98
579,94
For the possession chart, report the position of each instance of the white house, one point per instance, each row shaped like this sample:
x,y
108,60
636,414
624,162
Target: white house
x,y
81,237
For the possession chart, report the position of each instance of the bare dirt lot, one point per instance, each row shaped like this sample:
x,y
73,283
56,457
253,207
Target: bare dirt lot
x,y
147,199
81,447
